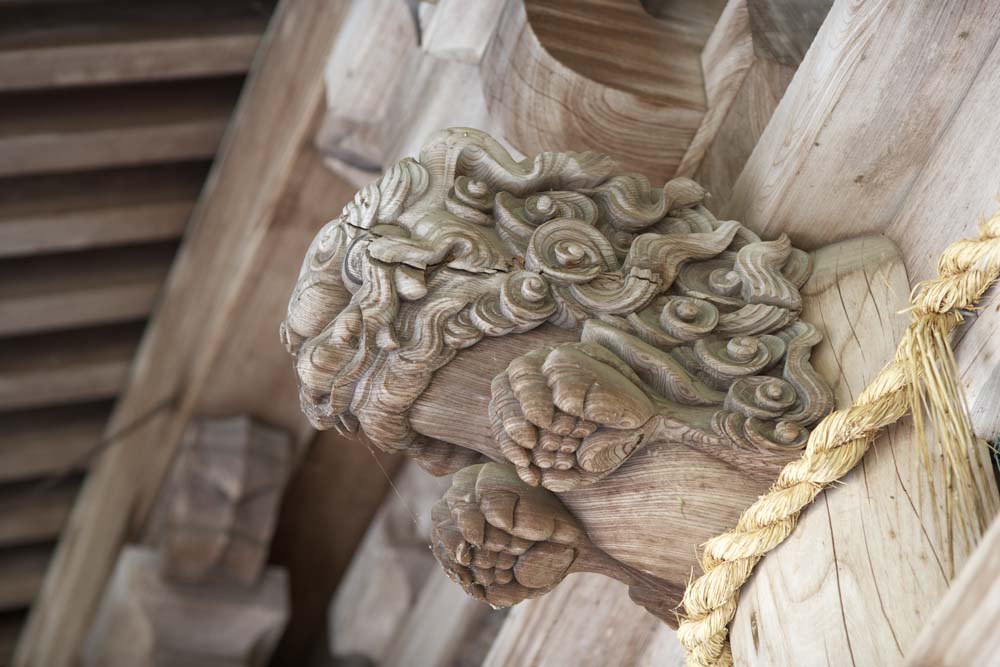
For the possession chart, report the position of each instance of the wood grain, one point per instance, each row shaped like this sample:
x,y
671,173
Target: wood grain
x,y
588,620
21,573
66,367
56,213
230,224
962,629
748,62
864,148
53,292
93,128
553,82
378,592
113,42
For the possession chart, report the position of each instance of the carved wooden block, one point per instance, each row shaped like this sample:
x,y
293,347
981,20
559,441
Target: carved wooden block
x,y
223,500
145,621
591,335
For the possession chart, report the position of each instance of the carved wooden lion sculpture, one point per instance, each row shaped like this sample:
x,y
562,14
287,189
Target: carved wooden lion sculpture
x,y
599,338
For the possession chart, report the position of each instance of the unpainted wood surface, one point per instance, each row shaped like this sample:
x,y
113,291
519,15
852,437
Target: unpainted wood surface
x,y
21,574
378,592
50,441
77,44
92,128
66,367
827,167
62,212
31,516
204,289
53,292
552,83
443,625
963,628
588,620
461,29
857,127
748,62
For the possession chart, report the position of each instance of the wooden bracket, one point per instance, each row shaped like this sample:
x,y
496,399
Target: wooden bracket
x,y
560,320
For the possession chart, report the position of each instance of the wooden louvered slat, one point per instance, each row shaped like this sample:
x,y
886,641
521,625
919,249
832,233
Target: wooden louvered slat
x,y
74,290
95,128
30,514
81,44
10,627
66,367
21,573
53,213
49,441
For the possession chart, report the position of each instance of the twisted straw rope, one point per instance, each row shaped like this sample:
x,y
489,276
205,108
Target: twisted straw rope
x,y
966,270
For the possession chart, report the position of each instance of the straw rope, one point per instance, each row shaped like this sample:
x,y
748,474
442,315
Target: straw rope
x,y
922,377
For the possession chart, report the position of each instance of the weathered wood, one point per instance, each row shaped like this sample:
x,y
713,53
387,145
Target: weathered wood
x,y
461,30
554,81
589,620
341,483
114,42
866,149
833,162
44,132
28,515
374,56
748,62
70,367
221,502
78,290
649,506
50,441
874,547
190,329
21,573
963,628
144,621
55,213
390,566
955,190
440,626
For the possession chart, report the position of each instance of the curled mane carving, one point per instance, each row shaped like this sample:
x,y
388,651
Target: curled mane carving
x,y
688,326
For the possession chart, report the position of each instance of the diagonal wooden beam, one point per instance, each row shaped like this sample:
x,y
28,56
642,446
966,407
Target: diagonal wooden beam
x,y
206,291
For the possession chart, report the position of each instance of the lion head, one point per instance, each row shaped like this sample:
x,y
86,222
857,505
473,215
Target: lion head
x,y
467,243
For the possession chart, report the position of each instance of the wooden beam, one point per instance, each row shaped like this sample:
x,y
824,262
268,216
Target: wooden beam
x,y
748,62
50,441
93,128
51,292
963,629
54,213
206,291
66,367
441,625
837,161
78,44
587,620
554,79
387,571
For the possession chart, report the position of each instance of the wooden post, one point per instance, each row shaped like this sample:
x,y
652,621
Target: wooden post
x,y
837,160
748,62
963,629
